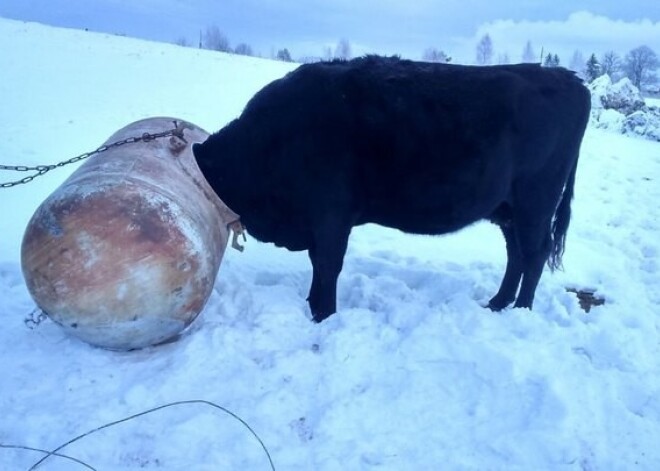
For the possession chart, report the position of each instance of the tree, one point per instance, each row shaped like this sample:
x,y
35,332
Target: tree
x,y
435,55
216,40
284,55
182,41
309,59
640,66
485,50
592,70
528,54
243,49
610,64
503,58
343,49
547,62
577,63
551,60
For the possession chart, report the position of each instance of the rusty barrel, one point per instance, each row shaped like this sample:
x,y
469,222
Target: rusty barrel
x,y
124,254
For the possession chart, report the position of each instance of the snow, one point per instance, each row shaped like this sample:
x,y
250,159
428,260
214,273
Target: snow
x,y
625,96
599,88
412,373
643,123
619,107
612,120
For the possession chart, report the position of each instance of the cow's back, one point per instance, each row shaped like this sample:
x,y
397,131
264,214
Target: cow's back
x,y
423,147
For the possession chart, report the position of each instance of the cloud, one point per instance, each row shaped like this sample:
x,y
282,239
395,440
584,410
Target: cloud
x,y
582,31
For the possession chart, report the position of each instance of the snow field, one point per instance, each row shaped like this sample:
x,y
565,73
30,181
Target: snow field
x,y
412,373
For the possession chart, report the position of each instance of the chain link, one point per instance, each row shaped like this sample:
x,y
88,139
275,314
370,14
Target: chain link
x,y
39,170
36,317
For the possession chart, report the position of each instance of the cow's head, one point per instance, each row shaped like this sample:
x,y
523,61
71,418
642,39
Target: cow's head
x,y
224,173
210,162
205,162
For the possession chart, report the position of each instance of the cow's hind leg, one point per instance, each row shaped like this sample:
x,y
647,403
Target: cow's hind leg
x,y
327,256
535,245
514,269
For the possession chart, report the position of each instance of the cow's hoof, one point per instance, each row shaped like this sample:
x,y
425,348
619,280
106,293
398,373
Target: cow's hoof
x,y
318,318
496,305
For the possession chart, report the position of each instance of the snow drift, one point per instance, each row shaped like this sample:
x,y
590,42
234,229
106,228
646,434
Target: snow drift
x,y
619,107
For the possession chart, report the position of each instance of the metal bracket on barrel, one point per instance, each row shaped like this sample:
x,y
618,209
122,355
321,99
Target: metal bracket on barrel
x,y
238,230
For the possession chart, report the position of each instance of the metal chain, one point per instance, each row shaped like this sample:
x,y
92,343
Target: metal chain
x,y
42,169
36,317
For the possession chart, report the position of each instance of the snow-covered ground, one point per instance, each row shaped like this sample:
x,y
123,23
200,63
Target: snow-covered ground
x,y
411,373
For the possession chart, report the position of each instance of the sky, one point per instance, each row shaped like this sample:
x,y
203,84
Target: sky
x,y
406,28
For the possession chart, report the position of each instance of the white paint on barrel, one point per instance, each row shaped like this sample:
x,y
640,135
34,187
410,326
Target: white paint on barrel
x,y
124,254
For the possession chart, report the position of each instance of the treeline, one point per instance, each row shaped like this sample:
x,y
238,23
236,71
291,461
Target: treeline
x,y
639,64
214,39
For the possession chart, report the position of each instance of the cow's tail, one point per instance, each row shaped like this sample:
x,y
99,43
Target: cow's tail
x,y
560,222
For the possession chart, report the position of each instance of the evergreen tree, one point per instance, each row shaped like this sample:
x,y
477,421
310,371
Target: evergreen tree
x,y
548,62
592,70
551,60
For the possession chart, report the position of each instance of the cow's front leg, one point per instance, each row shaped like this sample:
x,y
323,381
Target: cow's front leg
x,y
327,257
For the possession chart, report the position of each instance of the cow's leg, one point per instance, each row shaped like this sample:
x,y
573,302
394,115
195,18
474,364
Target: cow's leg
x,y
327,256
535,245
514,269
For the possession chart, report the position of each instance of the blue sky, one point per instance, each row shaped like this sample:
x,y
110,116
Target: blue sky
x,y
403,27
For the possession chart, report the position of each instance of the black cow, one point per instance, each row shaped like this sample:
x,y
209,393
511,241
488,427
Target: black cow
x,y
425,148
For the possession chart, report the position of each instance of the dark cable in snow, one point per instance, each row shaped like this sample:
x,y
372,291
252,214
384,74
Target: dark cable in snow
x,y
46,452
172,404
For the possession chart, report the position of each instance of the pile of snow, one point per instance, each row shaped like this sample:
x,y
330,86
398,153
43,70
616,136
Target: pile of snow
x,y
619,107
645,123
621,96
412,373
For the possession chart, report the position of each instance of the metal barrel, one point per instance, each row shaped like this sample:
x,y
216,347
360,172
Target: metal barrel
x,y
124,254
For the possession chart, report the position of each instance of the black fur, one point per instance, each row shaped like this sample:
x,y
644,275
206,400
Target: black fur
x,y
425,148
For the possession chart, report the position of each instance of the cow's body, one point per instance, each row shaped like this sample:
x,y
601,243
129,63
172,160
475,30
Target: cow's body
x,y
424,148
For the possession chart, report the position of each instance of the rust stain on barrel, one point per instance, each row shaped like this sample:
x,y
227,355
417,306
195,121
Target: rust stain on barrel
x,y
122,234
134,233
119,232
